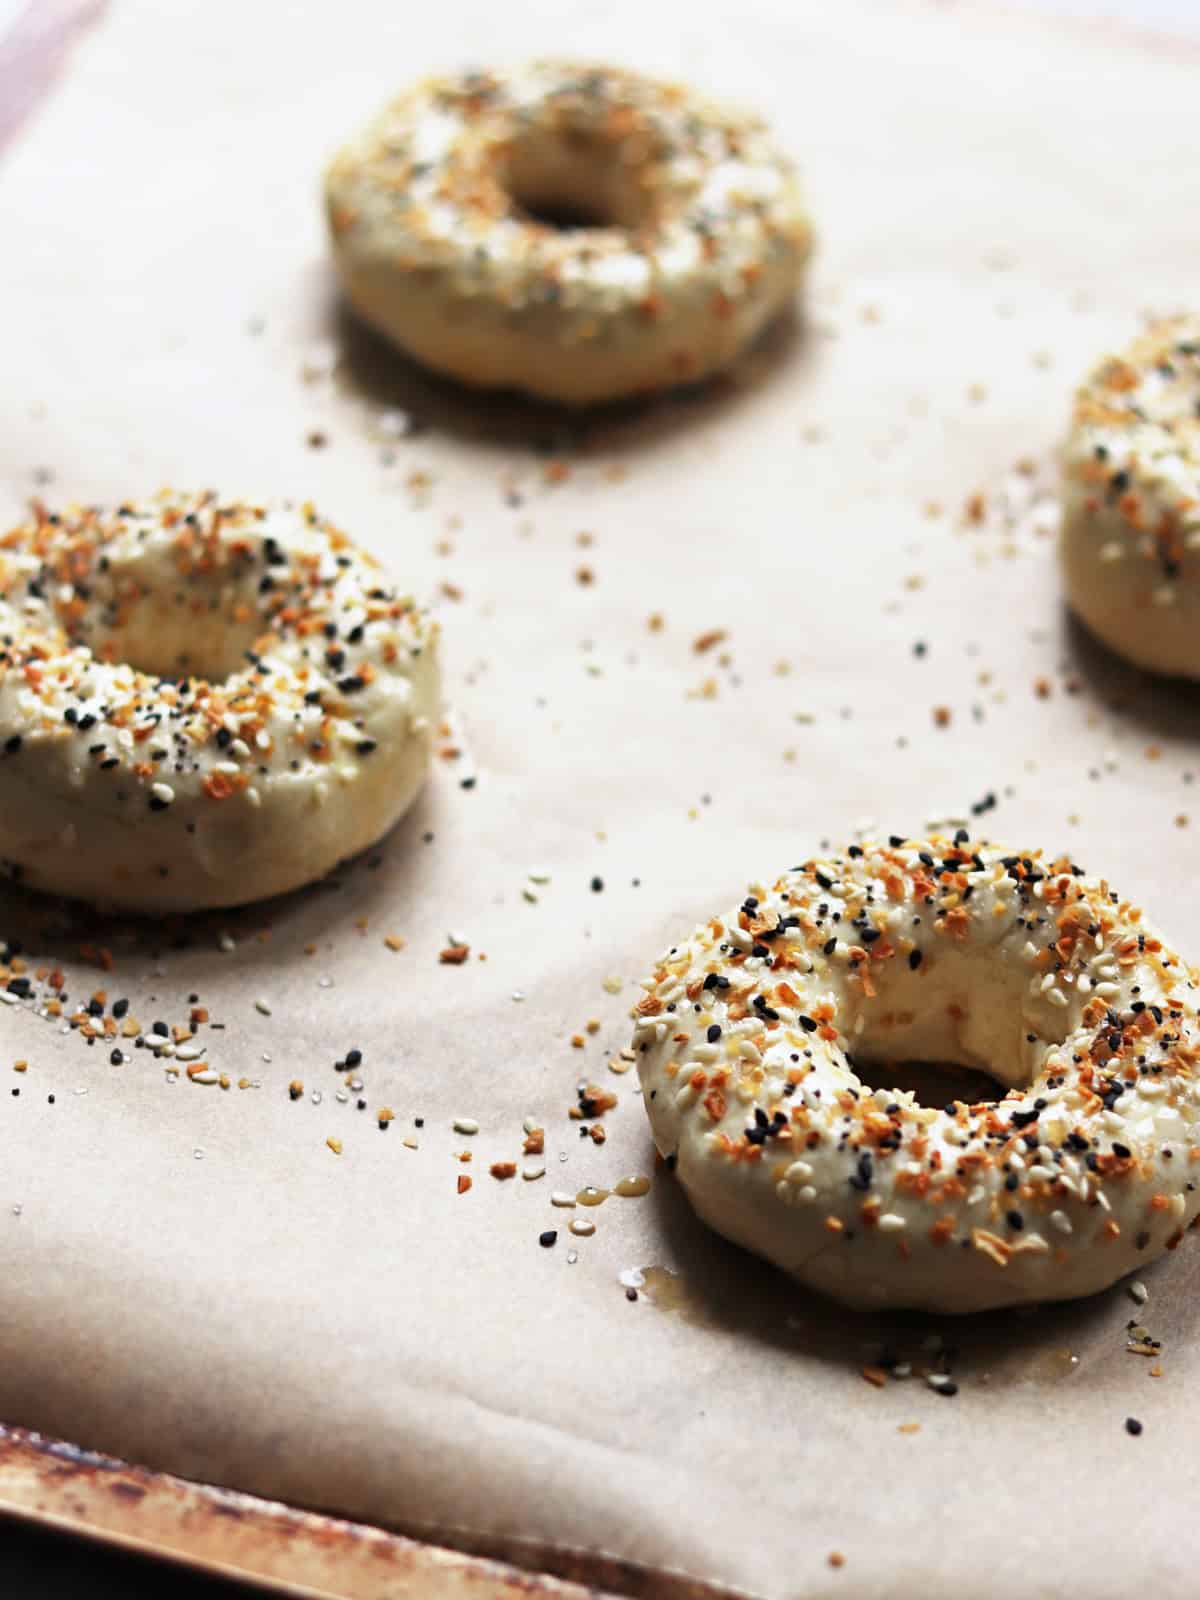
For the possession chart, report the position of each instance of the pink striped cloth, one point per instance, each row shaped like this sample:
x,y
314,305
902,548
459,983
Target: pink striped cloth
x,y
33,50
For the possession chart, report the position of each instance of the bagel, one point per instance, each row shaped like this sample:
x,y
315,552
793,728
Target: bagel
x,y
752,1040
1130,541
692,233
202,703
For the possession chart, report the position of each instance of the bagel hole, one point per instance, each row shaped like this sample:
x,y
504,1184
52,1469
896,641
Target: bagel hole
x,y
574,182
566,215
931,1083
203,628
170,639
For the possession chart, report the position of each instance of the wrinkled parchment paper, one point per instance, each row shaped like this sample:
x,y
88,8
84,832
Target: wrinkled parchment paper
x,y
192,1276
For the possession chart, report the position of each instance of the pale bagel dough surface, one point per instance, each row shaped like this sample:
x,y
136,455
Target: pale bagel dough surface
x,y
753,1041
694,233
1130,539
202,703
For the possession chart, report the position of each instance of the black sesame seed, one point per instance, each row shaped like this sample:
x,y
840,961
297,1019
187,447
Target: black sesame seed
x,y
549,1238
1133,1426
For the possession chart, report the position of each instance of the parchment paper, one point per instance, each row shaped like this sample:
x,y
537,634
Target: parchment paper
x,y
191,1276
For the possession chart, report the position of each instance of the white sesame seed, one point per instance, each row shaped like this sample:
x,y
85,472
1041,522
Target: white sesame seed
x,y
465,1125
262,1007
561,1197
1138,1292
583,1226
533,1170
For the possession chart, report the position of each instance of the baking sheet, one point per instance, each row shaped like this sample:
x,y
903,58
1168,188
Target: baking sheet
x,y
193,1277
220,1532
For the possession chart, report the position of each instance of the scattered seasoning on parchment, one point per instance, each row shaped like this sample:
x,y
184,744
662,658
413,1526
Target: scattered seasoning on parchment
x,y
942,1383
709,640
591,1101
